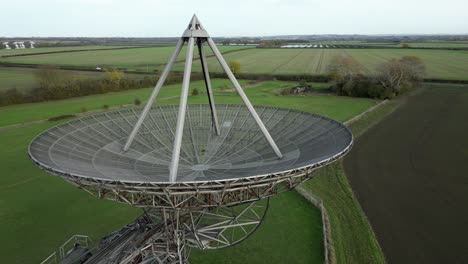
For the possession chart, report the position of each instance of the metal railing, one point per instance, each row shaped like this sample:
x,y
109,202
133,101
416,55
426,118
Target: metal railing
x,y
67,248
52,259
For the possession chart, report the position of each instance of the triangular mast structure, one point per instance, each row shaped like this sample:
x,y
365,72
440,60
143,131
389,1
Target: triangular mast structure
x,y
195,34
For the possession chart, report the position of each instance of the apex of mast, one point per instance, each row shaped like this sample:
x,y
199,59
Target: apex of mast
x,y
195,29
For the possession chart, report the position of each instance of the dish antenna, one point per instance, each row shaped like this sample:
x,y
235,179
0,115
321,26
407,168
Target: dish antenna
x,y
6,45
203,174
31,44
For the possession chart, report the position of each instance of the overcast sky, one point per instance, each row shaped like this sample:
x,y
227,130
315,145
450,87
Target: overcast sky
x,y
168,18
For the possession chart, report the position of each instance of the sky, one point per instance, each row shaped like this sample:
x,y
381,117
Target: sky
x,y
222,18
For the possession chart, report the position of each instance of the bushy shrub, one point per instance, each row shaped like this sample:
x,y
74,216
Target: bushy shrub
x,y
195,92
60,117
137,101
285,91
362,87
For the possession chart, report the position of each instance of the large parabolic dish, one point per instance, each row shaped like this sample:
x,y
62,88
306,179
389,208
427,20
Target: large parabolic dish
x,y
89,151
199,171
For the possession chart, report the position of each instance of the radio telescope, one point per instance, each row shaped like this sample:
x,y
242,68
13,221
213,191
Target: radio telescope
x,y
31,44
202,173
6,45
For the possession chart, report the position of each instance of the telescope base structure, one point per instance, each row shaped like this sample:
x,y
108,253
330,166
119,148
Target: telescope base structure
x,y
163,235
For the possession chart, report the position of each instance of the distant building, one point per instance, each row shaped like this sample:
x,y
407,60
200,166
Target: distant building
x,y
301,89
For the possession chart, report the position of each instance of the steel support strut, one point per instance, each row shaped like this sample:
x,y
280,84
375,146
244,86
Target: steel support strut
x,y
209,91
195,30
182,110
244,97
155,92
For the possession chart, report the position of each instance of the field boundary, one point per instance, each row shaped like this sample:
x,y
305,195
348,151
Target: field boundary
x,y
329,250
248,76
79,50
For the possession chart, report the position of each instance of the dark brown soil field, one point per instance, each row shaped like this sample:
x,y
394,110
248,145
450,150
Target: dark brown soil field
x,y
410,174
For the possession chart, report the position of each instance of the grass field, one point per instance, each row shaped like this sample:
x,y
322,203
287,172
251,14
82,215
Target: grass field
x,y
35,207
443,64
438,44
4,52
123,58
339,107
25,79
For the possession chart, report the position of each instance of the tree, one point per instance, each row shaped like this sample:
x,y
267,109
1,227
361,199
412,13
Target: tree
x,y
235,67
52,83
12,96
195,92
137,101
398,75
114,77
414,68
344,68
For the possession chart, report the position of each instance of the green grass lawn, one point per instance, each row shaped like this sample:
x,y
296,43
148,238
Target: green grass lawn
x,y
38,212
272,242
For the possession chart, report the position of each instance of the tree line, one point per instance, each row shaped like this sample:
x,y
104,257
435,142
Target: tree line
x,y
55,84
391,78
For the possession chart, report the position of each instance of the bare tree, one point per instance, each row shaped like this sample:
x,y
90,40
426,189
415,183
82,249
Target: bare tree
x,y
397,74
414,68
344,68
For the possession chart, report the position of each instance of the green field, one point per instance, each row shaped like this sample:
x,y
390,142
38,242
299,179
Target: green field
x,y
438,44
441,64
38,212
123,58
6,52
339,107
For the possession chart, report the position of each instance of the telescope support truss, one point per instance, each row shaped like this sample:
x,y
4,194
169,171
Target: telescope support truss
x,y
195,34
166,236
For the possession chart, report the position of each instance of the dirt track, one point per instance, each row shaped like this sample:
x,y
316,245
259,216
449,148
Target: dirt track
x,y
410,174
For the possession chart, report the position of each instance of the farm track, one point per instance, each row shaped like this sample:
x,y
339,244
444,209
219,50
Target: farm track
x,y
366,69
287,62
320,61
409,174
